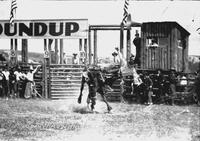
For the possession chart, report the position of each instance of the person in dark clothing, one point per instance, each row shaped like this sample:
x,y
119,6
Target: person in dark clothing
x,y
159,83
23,82
2,84
93,77
197,88
172,81
6,84
137,43
12,83
147,88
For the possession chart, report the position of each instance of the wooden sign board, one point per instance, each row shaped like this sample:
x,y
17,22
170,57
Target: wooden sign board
x,y
71,28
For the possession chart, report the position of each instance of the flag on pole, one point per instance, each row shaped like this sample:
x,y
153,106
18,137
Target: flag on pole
x,y
13,11
125,15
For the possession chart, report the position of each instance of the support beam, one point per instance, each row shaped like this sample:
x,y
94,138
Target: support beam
x,y
49,49
61,51
89,48
80,49
25,50
128,44
80,44
95,47
45,89
16,49
11,44
86,52
12,51
56,51
122,39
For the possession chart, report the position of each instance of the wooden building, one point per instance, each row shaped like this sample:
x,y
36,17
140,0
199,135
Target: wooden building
x,y
164,45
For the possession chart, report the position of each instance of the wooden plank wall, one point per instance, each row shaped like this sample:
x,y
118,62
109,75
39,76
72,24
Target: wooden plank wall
x,y
65,81
156,58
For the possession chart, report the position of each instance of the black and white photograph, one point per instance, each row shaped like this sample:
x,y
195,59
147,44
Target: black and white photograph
x,y
104,70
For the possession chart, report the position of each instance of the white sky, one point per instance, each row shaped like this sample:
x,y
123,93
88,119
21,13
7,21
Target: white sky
x,y
107,12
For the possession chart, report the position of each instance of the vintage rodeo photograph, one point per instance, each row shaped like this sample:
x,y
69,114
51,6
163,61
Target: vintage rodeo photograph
x,y
104,70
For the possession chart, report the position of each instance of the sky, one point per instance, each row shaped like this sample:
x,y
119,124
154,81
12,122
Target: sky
x,y
186,13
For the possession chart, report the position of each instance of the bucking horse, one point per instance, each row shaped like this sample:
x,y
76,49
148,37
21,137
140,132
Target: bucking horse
x,y
97,83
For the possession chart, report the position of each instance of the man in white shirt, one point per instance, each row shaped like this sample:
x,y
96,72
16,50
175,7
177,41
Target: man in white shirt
x,y
31,73
31,83
6,74
18,75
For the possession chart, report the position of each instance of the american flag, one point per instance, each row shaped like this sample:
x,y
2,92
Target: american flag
x,y
125,15
13,11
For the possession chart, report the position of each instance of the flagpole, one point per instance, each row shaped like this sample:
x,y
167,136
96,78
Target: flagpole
x,y
124,21
13,46
122,38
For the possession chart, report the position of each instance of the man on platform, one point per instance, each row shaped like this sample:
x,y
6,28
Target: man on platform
x,y
137,43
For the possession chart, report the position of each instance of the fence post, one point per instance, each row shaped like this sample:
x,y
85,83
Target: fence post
x,y
45,71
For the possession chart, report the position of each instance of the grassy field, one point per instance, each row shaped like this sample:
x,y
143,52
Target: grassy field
x,y
46,120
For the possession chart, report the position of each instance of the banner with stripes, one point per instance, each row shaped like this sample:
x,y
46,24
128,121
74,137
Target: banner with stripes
x,y
125,15
13,11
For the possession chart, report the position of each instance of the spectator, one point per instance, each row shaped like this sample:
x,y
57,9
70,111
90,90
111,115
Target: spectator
x,y
30,82
12,83
183,80
23,80
159,83
64,58
197,88
137,43
2,84
148,83
75,59
6,85
18,75
172,81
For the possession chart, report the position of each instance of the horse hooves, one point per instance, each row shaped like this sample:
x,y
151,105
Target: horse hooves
x,y
109,109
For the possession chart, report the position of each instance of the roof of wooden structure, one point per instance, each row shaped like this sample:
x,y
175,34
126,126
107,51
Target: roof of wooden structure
x,y
155,27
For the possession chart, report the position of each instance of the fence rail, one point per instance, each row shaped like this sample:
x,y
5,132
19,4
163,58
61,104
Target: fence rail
x,y
65,81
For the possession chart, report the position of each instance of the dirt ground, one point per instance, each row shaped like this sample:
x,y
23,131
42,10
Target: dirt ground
x,y
65,120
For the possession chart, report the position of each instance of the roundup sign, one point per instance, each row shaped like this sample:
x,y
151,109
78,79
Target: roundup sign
x,y
45,29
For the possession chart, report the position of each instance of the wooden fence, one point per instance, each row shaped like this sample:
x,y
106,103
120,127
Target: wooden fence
x,y
65,81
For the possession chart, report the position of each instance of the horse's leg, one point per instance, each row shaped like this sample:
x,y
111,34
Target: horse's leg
x,y
88,102
93,101
122,90
92,97
109,108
